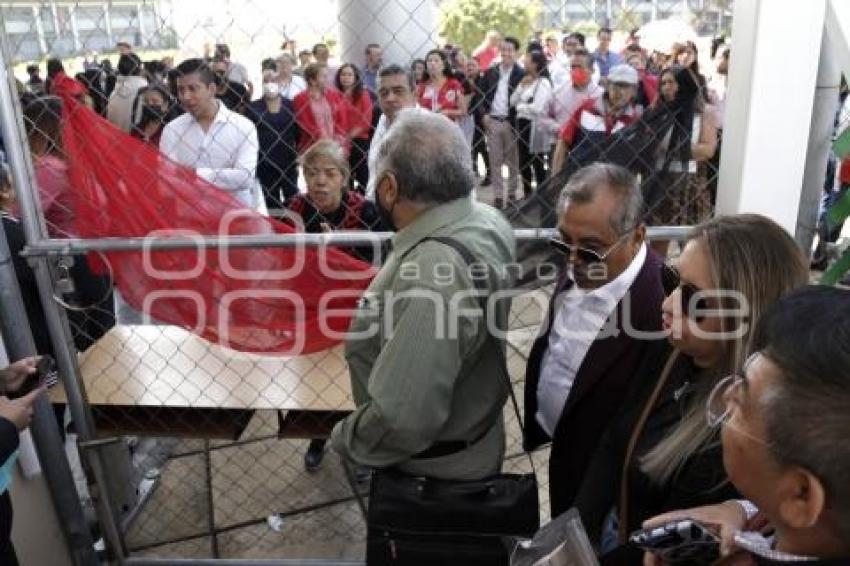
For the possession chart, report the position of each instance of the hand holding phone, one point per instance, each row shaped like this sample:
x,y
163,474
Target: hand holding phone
x,y
682,541
45,375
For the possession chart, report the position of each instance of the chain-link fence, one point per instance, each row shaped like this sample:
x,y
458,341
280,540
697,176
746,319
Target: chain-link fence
x,y
204,451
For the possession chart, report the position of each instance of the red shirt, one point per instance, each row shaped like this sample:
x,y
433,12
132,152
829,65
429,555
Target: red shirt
x,y
359,114
591,115
309,128
447,98
485,56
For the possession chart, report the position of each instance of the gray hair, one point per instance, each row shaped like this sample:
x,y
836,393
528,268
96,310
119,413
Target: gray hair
x,y
586,183
429,157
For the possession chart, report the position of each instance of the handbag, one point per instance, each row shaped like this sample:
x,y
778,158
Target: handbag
x,y
428,521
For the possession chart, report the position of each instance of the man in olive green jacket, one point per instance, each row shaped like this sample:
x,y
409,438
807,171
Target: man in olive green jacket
x,y
427,373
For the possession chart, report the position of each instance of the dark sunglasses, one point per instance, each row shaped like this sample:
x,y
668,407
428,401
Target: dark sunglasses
x,y
584,255
672,280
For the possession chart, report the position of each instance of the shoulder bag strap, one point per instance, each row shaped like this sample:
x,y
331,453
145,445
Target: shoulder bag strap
x,y
636,432
481,285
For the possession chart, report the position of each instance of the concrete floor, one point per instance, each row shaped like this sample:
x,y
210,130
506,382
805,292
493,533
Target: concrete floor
x,y
258,478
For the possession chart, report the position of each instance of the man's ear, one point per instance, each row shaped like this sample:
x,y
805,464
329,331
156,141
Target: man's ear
x,y
390,186
638,237
803,498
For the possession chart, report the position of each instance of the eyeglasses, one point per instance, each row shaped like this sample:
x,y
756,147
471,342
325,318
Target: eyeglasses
x,y
584,255
671,280
719,409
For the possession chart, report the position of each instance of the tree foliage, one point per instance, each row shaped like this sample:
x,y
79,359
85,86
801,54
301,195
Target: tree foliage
x,y
465,22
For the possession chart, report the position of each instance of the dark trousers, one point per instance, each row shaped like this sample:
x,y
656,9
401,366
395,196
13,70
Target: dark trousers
x,y
479,147
531,165
7,551
279,182
358,160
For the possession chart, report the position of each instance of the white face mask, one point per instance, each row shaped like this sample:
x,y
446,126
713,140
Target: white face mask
x,y
271,90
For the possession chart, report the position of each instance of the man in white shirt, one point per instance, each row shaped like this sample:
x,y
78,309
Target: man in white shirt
x,y
219,144
605,305
569,96
395,93
500,121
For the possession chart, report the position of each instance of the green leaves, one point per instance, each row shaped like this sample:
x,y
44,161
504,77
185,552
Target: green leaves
x,y
465,22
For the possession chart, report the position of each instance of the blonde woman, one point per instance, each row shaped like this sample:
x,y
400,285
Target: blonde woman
x,y
672,459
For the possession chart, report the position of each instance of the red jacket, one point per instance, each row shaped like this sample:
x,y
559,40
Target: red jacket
x,y
308,128
359,114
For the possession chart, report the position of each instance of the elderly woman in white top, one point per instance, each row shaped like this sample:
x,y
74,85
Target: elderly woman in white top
x,y
531,99
290,84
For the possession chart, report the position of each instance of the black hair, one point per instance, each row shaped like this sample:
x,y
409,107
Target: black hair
x,y
370,47
447,68
269,64
199,66
129,64
42,121
579,37
222,49
716,43
32,69
512,40
604,30
533,45
806,335
357,89
394,69
318,46
54,67
539,60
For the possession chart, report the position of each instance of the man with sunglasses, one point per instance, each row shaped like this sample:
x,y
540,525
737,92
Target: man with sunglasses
x,y
608,298
784,434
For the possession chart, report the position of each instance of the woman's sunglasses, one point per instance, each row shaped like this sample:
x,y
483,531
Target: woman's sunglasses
x,y
672,280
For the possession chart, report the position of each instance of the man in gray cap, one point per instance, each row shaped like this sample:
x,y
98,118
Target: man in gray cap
x,y
597,119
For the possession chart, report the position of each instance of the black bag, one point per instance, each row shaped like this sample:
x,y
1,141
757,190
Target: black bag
x,y
415,521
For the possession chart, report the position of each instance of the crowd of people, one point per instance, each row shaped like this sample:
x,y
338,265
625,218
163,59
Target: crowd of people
x,y
633,351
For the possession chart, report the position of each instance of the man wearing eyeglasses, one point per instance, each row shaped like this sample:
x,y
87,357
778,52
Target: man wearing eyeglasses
x,y
608,298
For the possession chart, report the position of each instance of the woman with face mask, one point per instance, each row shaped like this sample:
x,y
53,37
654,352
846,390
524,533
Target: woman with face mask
x,y
277,169
156,111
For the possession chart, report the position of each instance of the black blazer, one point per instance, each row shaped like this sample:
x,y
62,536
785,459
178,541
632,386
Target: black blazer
x,y
600,387
491,84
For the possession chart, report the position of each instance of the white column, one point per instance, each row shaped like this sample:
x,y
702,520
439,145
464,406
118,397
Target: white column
x,y
769,107
405,29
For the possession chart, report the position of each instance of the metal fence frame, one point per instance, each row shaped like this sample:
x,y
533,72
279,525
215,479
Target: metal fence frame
x,y
16,332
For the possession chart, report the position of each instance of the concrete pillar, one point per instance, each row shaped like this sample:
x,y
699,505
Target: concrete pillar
x,y
406,29
769,108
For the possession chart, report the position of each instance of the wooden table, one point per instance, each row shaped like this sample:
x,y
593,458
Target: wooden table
x,y
163,380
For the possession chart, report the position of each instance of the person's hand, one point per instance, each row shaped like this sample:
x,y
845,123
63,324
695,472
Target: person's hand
x,y
729,516
325,227
19,411
14,375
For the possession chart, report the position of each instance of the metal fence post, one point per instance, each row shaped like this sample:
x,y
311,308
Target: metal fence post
x,y
47,440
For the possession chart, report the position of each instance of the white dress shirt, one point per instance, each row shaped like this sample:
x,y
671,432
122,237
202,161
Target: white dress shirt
x,y
225,155
372,162
501,98
579,317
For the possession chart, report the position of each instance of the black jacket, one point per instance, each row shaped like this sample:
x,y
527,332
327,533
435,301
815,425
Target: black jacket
x,y
601,385
8,445
702,481
491,83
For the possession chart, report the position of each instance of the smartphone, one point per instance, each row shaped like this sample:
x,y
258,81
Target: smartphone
x,y
45,374
684,541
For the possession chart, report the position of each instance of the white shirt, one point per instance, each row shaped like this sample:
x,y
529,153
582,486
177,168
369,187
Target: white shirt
x,y
225,155
119,109
500,98
380,132
532,99
579,318
563,103
293,88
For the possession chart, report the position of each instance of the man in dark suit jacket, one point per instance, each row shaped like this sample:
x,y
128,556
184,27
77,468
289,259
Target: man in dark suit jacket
x,y
499,119
604,310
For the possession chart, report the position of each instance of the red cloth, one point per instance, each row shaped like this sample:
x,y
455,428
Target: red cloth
x,y
309,131
359,114
650,86
595,108
485,56
844,172
270,300
448,97
64,86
